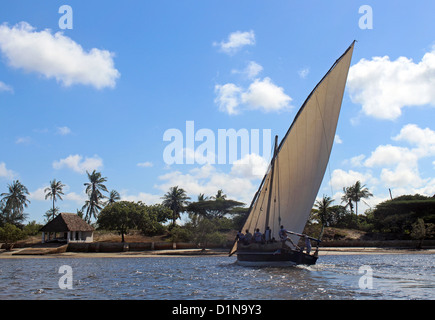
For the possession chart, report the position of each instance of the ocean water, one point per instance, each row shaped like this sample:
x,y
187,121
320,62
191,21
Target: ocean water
x,y
210,278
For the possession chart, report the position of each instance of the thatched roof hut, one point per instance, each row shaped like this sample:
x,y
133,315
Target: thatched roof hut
x,y
70,226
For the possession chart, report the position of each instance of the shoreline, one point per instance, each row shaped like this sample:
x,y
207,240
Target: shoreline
x,y
326,251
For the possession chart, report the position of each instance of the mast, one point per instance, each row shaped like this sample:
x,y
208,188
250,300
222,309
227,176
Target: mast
x,y
271,183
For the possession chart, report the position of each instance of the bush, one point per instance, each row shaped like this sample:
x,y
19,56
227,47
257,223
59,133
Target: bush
x,y
10,234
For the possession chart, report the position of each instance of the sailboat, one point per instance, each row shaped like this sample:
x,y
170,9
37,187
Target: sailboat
x,y
281,206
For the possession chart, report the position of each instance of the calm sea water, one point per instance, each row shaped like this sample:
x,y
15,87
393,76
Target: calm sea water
x,y
186,278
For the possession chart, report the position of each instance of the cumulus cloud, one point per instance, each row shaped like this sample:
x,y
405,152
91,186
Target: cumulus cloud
x,y
384,87
236,41
261,95
251,166
341,178
56,56
251,70
228,97
396,166
78,164
6,173
146,198
5,88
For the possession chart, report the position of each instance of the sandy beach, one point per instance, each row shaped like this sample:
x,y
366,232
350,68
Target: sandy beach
x,y
14,254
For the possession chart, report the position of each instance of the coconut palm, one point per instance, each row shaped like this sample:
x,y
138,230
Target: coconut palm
x,y
113,197
219,195
14,203
94,189
323,211
54,191
356,193
176,200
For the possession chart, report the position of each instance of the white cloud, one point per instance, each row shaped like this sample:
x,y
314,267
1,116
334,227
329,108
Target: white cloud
x,y
236,41
57,56
357,161
402,176
251,70
266,96
147,198
261,95
228,97
239,184
251,166
387,155
63,131
6,173
6,88
383,87
337,139
146,164
303,73
423,139
77,198
77,164
341,178
38,194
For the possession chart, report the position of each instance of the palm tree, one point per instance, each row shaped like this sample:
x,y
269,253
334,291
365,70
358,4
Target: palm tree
x,y
54,191
219,195
175,199
356,193
323,210
94,190
113,197
14,203
51,213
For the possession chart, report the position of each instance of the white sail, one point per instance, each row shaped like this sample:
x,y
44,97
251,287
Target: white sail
x,y
302,157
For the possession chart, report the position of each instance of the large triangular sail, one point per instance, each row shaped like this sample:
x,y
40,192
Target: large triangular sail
x,y
301,158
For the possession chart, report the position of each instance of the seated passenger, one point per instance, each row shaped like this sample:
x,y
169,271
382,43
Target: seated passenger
x,y
240,236
258,236
248,238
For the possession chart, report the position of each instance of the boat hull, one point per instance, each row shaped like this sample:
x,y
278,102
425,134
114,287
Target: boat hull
x,y
253,257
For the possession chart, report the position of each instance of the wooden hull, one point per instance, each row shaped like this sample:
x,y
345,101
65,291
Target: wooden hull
x,y
259,256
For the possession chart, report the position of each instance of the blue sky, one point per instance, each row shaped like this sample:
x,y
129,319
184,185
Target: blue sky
x,y
102,94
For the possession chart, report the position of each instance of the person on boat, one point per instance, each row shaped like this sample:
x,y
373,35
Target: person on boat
x,y
307,244
283,234
240,236
247,239
267,235
258,236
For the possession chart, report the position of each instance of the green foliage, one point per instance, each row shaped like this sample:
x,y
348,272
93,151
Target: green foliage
x,y
32,228
10,234
94,189
125,215
13,203
176,200
217,208
400,214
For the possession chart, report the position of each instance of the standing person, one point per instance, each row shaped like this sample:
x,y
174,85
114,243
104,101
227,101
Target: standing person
x,y
307,244
267,235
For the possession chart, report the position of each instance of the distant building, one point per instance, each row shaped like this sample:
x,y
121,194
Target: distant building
x,y
70,227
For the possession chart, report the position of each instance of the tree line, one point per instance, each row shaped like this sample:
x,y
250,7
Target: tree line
x,y
211,217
